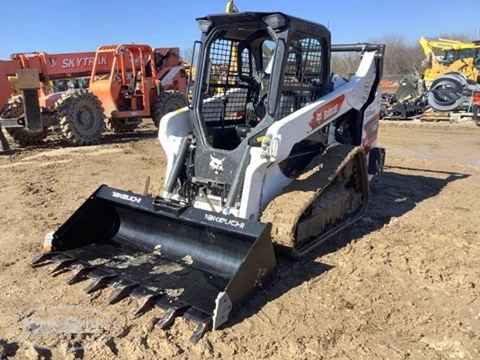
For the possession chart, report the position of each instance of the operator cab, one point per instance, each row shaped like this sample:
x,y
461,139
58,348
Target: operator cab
x,y
254,69
241,57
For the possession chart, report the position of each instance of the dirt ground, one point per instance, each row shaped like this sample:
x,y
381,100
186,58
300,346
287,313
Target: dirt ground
x,y
401,284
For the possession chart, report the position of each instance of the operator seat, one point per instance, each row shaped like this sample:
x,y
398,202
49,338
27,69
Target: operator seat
x,y
259,111
133,84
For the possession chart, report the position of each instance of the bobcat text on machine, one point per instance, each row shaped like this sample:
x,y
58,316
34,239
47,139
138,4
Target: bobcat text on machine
x,y
279,162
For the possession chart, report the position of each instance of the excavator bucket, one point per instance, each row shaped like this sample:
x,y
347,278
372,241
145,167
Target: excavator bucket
x,y
188,262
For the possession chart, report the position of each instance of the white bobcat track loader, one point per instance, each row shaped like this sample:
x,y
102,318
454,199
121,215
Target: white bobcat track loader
x,y
277,162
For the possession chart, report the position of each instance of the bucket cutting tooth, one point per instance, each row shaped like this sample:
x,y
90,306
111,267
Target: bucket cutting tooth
x,y
204,323
43,258
61,264
99,282
147,301
122,289
80,273
173,311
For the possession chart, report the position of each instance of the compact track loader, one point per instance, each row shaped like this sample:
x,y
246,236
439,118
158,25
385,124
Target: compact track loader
x,y
276,164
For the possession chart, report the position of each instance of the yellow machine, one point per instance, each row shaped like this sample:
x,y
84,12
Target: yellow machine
x,y
190,72
218,79
457,56
231,8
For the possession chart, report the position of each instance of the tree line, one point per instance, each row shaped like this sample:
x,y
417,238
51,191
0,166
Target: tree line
x,y
402,58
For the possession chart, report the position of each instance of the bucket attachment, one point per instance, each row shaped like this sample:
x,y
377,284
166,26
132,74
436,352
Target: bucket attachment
x,y
186,261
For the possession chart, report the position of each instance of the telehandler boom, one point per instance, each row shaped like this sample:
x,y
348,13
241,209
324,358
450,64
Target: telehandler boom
x,y
275,165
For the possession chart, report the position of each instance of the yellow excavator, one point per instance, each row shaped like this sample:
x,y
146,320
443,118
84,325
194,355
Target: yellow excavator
x,y
457,56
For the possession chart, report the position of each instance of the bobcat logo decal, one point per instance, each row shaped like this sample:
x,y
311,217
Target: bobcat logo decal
x,y
216,164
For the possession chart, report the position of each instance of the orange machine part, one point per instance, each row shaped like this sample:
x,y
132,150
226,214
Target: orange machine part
x,y
50,67
476,98
161,65
62,66
168,70
111,92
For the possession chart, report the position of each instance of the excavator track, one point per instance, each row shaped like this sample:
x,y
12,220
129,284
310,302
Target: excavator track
x,y
331,195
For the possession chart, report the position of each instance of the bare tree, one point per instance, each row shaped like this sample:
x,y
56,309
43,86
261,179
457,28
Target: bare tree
x,y
402,58
460,36
474,34
345,64
186,54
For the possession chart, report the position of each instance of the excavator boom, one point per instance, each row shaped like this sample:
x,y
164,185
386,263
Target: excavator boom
x,y
428,44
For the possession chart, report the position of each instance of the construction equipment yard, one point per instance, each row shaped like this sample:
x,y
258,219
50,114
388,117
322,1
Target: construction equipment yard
x,y
401,283
278,195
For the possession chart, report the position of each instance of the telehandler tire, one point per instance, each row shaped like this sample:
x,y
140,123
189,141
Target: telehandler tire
x,y
166,102
118,126
21,136
81,117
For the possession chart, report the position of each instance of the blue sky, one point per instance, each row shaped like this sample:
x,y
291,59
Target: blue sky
x,y
57,26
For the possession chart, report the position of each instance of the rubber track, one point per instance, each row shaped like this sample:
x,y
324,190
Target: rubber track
x,y
285,211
